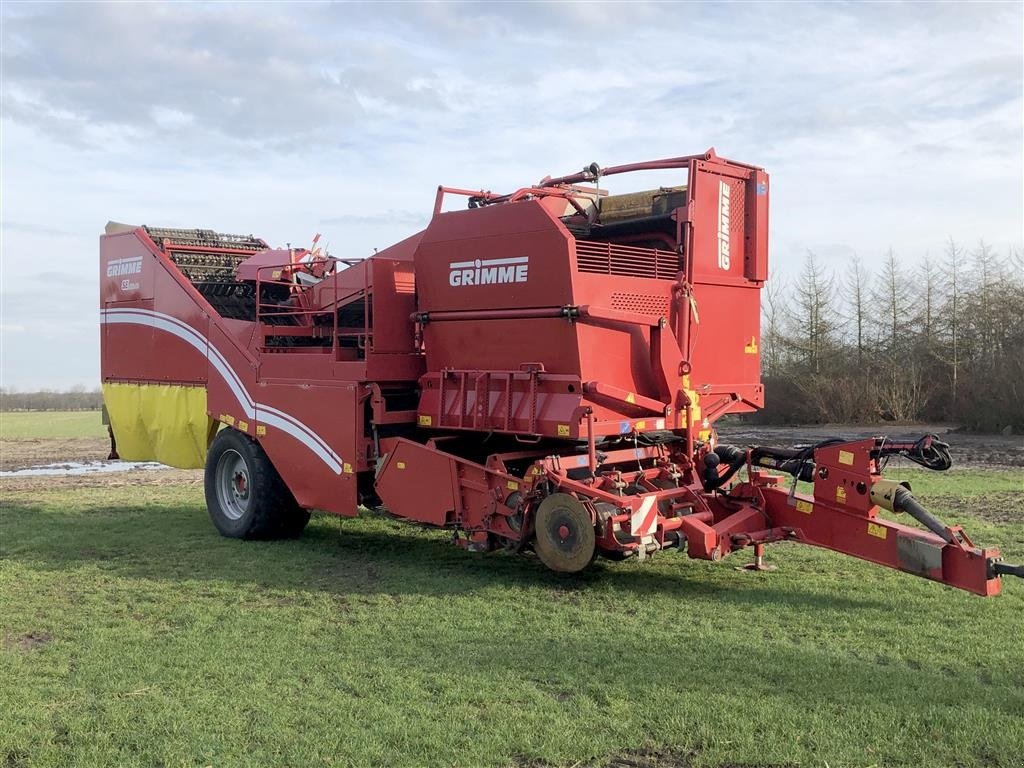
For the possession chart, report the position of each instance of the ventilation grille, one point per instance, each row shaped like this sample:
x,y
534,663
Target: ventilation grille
x,y
641,303
625,260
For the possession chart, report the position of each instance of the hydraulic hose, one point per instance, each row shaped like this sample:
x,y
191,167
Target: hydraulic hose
x,y
792,461
729,454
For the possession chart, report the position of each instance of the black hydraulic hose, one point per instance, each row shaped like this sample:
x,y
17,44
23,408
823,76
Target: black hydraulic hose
x,y
792,461
931,453
798,462
734,457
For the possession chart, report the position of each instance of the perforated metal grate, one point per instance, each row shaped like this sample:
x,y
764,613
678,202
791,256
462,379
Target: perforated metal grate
x,y
641,303
737,220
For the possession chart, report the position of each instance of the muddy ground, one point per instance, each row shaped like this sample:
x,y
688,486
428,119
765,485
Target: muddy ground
x,y
967,449
22,453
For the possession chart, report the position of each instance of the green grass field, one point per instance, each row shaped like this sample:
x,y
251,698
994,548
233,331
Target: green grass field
x,y
50,424
134,635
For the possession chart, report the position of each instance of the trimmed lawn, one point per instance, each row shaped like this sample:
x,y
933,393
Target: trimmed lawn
x,y
134,635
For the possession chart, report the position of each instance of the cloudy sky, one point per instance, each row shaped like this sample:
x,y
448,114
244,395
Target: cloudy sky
x,y
881,125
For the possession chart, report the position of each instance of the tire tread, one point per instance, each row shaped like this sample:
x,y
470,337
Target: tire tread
x,y
273,513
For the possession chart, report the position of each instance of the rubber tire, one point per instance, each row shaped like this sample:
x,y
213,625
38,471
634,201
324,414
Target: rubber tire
x,y
273,512
562,509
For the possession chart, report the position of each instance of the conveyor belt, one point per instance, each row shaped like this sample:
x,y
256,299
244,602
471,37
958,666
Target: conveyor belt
x,y
204,255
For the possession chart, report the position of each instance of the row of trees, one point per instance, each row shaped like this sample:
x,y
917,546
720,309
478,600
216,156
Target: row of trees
x,y
940,339
74,399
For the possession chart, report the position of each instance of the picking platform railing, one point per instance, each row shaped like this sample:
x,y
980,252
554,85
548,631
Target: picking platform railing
x,y
301,320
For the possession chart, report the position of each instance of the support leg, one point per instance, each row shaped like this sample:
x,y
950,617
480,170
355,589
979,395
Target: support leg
x,y
758,564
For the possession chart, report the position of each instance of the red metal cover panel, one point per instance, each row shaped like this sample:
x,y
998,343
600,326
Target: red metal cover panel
x,y
725,336
419,479
151,330
523,257
126,269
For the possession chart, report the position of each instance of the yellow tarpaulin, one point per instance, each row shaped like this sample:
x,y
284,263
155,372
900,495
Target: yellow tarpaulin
x,y
159,422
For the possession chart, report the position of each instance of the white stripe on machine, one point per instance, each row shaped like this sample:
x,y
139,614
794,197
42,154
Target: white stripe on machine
x,y
253,410
644,520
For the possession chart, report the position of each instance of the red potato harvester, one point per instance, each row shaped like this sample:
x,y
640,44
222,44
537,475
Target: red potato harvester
x,y
538,371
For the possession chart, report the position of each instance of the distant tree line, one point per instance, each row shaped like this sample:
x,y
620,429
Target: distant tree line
x,y
941,339
75,399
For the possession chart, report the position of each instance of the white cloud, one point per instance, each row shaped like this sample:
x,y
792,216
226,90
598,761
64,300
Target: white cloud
x,y
880,124
171,118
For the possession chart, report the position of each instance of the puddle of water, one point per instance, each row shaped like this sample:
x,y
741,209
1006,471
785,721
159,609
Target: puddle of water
x,y
87,468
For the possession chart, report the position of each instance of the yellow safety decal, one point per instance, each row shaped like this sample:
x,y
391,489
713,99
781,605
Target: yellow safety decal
x,y
840,494
631,398
243,425
275,275
641,425
694,411
751,348
804,506
229,420
563,430
346,468
160,422
426,421
400,464
846,457
261,430
512,485
536,471
880,531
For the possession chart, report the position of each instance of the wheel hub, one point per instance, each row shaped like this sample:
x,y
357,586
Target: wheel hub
x,y
241,485
233,484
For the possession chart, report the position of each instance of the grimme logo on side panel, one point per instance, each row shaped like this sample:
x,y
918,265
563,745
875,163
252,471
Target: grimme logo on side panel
x,y
131,265
488,271
723,225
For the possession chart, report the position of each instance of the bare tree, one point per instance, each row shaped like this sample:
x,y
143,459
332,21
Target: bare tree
x,y
813,326
953,268
773,316
856,285
928,278
902,381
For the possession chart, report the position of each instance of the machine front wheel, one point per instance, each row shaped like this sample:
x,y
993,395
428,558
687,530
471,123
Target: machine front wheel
x,y
566,541
246,497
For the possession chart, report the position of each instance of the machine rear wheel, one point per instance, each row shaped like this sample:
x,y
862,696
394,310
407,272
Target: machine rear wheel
x,y
566,539
245,496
